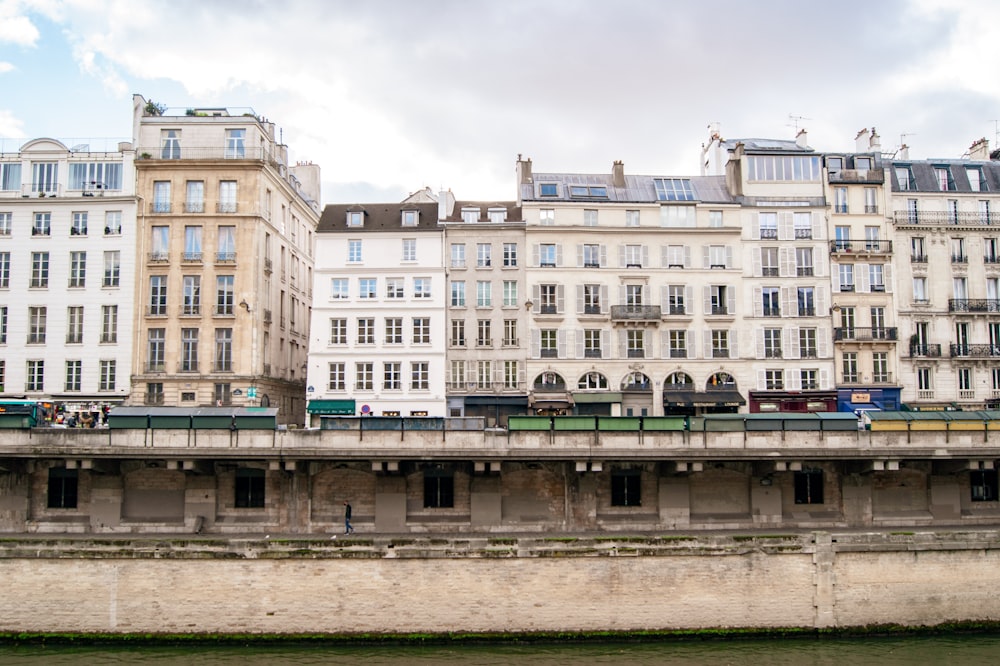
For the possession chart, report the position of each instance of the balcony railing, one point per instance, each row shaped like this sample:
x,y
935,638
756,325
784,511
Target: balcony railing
x,y
74,338
768,233
156,367
853,334
159,256
772,352
187,366
190,310
225,257
677,310
192,257
720,353
873,176
154,399
959,258
636,313
861,247
918,258
220,152
771,312
225,207
636,353
882,378
592,353
720,310
925,351
974,351
945,217
803,234
807,312
550,353
769,271
973,305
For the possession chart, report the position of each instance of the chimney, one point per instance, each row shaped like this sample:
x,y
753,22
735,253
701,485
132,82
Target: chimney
x,y
618,173
523,170
802,139
446,204
875,142
980,150
904,152
861,141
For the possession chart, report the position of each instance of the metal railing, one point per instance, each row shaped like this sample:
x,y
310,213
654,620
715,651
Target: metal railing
x,y
156,367
192,257
945,217
873,176
973,305
925,351
974,351
222,152
854,334
636,312
861,246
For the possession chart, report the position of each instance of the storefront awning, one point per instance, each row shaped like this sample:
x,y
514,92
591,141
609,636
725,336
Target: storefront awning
x,y
332,407
554,399
605,397
704,398
503,400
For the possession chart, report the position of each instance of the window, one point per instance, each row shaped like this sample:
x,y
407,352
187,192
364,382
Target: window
x,y
161,196
457,375
338,331
37,317
720,344
409,249
484,255
457,333
364,376
222,394
548,190
223,350
510,293
547,255
249,488
63,488
984,212
718,256
484,333
678,344
353,251
991,251
942,176
772,343
458,293
626,485
195,200
807,343
192,295
631,218
421,330
634,256
470,215
840,200
109,324
106,381
170,142
39,270
876,277
3,326
634,295
5,223
235,143
484,294
226,251
546,217
393,330
35,376
780,167
339,288
673,189
905,178
158,295
590,218
809,486
975,176
419,373
224,295
592,343
336,377
806,302
676,256
410,218
715,218
509,332
421,287
808,379
675,299
983,485
189,350
509,255
768,224
958,255
192,243
227,196
74,324
880,368
920,290
367,288
74,371
871,202
112,268
77,269
45,177
10,176
439,488
846,274
79,225
391,379
394,288
155,349
549,343
769,261
771,302
458,255
917,254
635,343
774,380
592,299
718,296
366,331
42,225
803,261
589,191
849,364
113,223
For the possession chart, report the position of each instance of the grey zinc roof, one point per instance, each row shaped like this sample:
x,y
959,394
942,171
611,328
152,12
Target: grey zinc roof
x,y
638,189
378,217
766,145
926,181
513,210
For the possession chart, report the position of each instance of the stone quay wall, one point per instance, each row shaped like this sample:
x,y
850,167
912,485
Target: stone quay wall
x,y
498,584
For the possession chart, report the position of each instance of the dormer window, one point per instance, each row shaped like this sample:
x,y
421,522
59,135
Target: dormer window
x,y
905,178
355,218
548,190
862,165
498,215
673,189
975,176
589,191
834,164
470,215
942,176
410,218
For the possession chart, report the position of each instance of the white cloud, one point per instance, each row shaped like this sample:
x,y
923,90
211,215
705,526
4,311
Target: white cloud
x,y
10,126
15,26
6,67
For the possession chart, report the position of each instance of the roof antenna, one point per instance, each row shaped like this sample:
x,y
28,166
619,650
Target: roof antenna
x,y
793,121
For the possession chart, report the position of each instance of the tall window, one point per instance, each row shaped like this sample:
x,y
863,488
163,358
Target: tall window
x,y
364,376
338,331
156,350
77,269
880,368
484,294
457,333
161,196
626,487
336,377
191,285
113,223
772,343
3,324
158,295
391,376
79,225
394,330
366,331
484,255
510,293
846,275
223,350
5,223
45,177
106,381
632,218
635,343
421,330
37,318
720,344
484,333
109,323
409,249
511,374
458,255
768,225
63,488
771,301
42,225
112,268
226,244
39,270
421,287
850,367
249,487
774,380
353,251
74,324
195,200
192,243
547,255
419,375
394,288
509,255
170,141
439,488
227,196
807,343
236,143
806,302
74,372
35,376
189,350
591,299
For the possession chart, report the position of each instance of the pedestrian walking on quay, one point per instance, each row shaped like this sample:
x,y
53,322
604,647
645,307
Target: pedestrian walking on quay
x,y
347,518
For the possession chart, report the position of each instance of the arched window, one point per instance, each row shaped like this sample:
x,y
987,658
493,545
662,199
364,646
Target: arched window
x,y
721,380
593,380
678,381
635,381
549,381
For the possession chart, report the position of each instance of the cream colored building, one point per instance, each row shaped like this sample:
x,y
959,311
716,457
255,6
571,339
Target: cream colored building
x,y
225,237
947,235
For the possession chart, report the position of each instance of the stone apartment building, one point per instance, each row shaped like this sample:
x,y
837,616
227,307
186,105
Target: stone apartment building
x,y
225,233
67,271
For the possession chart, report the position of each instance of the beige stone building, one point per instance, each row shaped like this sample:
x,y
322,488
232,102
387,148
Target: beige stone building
x,y
225,235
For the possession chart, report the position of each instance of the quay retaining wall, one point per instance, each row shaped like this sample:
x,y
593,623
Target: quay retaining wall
x,y
497,584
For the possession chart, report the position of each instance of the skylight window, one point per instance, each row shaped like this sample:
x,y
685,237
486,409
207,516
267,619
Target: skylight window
x,y
673,189
549,190
589,191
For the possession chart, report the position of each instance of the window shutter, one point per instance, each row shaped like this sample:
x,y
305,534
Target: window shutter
x,y
561,343
752,222
822,301
604,256
536,295
664,256
689,300
819,264
822,343
706,343
758,302
579,343
622,344
621,295
761,381
729,257
579,255
665,298
887,277
759,335
706,260
690,346
664,344
818,226
862,278
621,256
786,226
731,300
645,256
734,350
786,262
535,255
755,260
579,299
824,379
560,298
605,306
835,280
789,302
792,343
536,344
605,343
559,255
707,299
687,256
793,380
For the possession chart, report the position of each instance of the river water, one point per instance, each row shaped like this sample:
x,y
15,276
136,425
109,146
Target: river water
x,y
962,649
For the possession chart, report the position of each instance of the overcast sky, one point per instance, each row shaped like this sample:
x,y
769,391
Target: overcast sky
x,y
390,96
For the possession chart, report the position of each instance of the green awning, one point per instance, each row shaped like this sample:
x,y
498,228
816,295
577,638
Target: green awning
x,y
597,397
331,407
